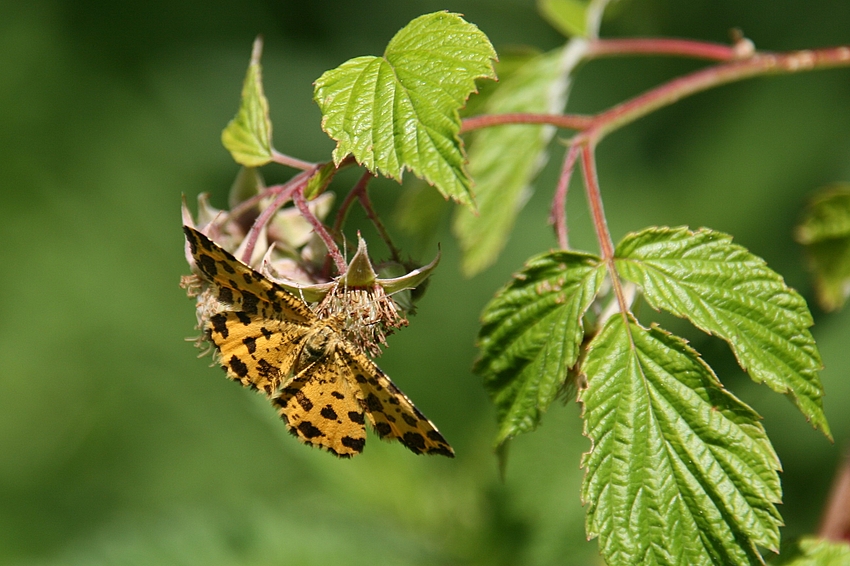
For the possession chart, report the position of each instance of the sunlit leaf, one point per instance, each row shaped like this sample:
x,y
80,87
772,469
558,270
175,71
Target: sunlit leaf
x,y
680,471
725,290
320,180
811,551
531,333
400,111
825,232
504,160
248,137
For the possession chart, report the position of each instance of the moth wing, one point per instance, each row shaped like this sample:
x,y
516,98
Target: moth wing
x,y
390,412
322,407
259,353
241,286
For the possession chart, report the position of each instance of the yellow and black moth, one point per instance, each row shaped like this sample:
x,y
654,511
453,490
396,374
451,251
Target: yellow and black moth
x,y
323,386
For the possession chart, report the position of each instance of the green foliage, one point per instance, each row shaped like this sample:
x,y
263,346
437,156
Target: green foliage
x,y
319,181
248,137
400,111
726,291
680,472
530,335
825,233
502,179
567,16
811,551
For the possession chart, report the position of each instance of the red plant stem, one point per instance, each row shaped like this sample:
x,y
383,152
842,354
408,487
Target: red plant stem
x,y
662,46
835,523
284,194
569,121
601,124
558,215
342,213
319,229
366,203
594,199
291,161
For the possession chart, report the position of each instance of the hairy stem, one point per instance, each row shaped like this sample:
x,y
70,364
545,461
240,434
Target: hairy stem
x,y
319,229
558,214
291,161
284,193
665,46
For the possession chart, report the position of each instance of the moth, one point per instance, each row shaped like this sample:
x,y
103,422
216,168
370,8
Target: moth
x,y
323,386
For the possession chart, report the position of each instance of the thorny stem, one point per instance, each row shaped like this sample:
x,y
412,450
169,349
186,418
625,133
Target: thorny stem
x,y
319,229
284,193
558,214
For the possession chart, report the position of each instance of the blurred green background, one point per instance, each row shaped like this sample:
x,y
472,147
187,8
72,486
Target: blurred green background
x,y
118,446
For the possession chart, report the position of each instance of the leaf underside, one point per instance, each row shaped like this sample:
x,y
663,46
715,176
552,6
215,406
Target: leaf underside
x,y
400,111
680,471
531,333
726,291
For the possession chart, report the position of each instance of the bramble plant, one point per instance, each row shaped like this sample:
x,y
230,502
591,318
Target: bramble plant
x,y
680,471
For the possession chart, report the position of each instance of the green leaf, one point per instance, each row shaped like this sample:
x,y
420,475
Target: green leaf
x,y
825,233
531,333
811,551
567,16
680,471
400,111
502,178
320,180
726,291
248,137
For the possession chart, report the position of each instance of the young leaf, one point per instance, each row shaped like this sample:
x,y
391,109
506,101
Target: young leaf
x,y
248,137
567,16
319,181
680,471
502,178
400,111
531,333
726,291
825,232
811,551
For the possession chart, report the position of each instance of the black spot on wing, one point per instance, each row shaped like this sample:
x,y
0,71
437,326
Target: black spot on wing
x,y
243,318
360,378
193,241
249,302
444,450
373,403
436,436
383,429
266,332
307,429
250,343
225,265
337,395
207,265
303,400
219,324
409,419
238,366
355,444
356,417
328,413
225,295
414,441
265,369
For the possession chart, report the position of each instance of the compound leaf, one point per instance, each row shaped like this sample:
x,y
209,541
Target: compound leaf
x,y
726,291
531,333
680,471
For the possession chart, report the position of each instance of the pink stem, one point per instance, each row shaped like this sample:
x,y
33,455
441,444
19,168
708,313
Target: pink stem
x,y
663,46
284,195
291,161
319,229
569,121
558,215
